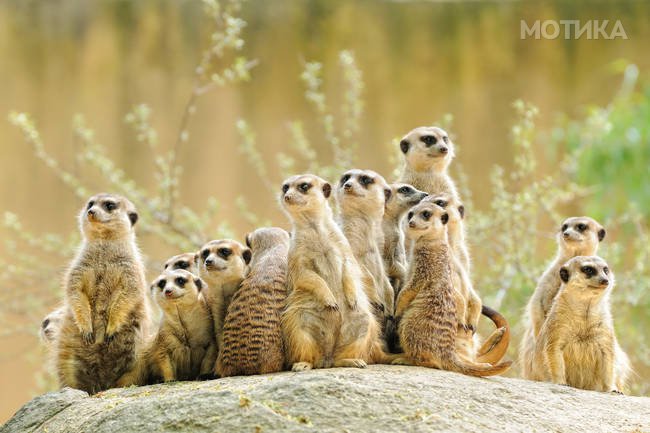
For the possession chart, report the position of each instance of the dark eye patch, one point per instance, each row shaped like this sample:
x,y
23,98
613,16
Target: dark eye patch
x,y
180,281
110,206
285,188
182,265
441,203
445,139
405,190
224,252
90,204
161,284
429,140
589,271
426,215
205,254
410,215
564,227
366,180
606,270
345,178
304,187
581,227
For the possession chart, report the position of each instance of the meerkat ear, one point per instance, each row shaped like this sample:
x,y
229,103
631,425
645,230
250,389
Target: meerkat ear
x,y
461,211
133,217
248,240
564,274
200,284
247,255
404,145
327,190
196,259
444,218
601,234
388,194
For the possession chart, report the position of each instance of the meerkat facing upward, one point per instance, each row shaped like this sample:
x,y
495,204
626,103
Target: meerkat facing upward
x,y
428,151
362,196
426,307
327,320
222,265
578,236
106,312
185,261
252,336
403,197
577,345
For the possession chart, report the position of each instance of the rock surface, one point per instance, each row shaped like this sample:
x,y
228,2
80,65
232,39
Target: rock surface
x,y
377,399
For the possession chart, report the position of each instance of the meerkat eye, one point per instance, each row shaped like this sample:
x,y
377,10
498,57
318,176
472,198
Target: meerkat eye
x,y
345,178
581,227
90,204
564,227
445,139
441,203
161,284
429,140
588,271
180,281
426,215
205,254
304,187
606,270
182,265
224,252
110,206
285,188
366,180
404,190
410,215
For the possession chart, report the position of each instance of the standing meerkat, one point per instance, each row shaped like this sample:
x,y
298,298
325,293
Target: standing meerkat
x,y
327,320
403,197
428,151
222,265
426,307
184,347
106,311
252,335
577,345
362,196
578,236
185,261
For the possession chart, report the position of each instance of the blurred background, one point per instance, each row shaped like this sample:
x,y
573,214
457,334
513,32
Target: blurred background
x,y
197,110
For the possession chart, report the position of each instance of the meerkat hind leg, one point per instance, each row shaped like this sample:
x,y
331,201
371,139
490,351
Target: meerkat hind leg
x,y
302,366
402,360
350,362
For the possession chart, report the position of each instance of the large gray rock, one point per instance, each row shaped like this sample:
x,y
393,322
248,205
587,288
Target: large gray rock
x,y
378,399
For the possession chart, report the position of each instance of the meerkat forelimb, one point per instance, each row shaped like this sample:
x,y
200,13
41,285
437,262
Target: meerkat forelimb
x,y
578,236
252,335
426,307
327,320
577,344
107,315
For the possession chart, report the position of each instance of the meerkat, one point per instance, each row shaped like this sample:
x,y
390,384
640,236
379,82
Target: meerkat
x,y
50,326
222,265
426,307
578,236
327,320
403,197
106,315
184,347
428,151
252,336
362,197
577,345
186,261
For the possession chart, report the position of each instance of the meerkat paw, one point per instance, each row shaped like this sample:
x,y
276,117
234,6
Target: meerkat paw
x,y
616,391
401,361
350,362
301,366
88,337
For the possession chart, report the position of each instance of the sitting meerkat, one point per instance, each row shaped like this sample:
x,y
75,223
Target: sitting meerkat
x,y
327,320
426,307
252,336
578,236
184,347
577,345
428,151
185,261
106,315
222,265
403,197
362,196
50,326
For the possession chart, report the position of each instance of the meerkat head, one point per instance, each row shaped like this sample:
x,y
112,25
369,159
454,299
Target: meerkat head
x,y
580,235
427,148
589,276
186,261
175,287
266,237
107,216
50,325
454,207
362,191
305,195
403,197
223,260
427,221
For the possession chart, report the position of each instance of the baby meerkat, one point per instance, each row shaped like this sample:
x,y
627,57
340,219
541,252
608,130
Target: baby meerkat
x,y
428,151
105,309
184,348
185,261
222,265
577,345
252,336
426,307
403,197
327,320
50,326
578,236
362,196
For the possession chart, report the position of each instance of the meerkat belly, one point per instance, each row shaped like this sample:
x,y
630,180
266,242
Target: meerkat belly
x,y
583,360
422,331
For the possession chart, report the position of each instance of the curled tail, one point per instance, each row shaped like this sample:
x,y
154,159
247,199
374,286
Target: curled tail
x,y
471,369
496,345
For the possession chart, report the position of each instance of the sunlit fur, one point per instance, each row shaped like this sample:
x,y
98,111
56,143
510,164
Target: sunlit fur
x,y
186,261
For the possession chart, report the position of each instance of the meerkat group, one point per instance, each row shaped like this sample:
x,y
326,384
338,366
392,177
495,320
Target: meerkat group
x,y
382,277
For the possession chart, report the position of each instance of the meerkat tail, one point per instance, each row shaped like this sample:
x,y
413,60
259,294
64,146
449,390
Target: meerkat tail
x,y
496,345
472,369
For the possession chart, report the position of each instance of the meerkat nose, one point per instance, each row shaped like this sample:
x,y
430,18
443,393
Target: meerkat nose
x,y
444,150
565,234
168,293
91,212
347,186
287,199
604,282
209,262
412,224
